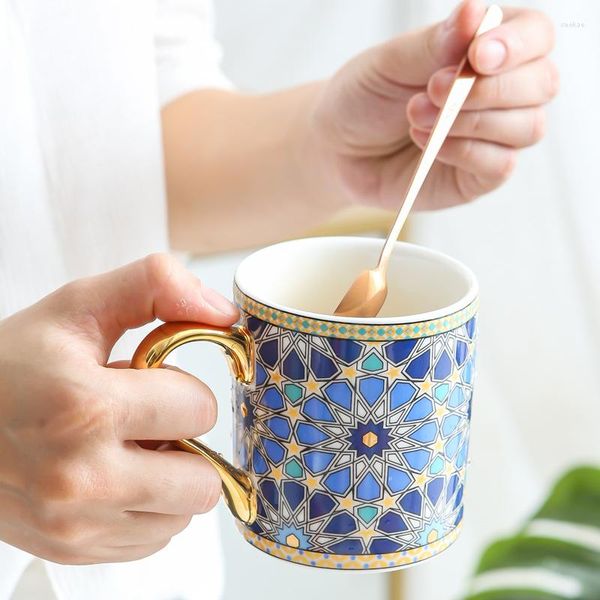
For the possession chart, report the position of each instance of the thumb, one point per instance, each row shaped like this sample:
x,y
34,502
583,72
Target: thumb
x,y
155,287
412,58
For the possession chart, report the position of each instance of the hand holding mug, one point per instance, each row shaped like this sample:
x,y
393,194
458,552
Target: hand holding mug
x,y
76,486
351,436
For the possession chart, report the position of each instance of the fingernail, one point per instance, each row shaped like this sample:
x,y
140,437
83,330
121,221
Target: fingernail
x,y
490,55
218,302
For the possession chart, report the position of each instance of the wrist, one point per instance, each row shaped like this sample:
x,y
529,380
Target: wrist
x,y
312,160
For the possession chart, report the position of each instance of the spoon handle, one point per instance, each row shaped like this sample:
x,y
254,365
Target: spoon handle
x,y
461,86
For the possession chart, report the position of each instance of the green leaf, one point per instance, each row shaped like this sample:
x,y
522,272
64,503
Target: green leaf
x,y
575,498
561,558
529,551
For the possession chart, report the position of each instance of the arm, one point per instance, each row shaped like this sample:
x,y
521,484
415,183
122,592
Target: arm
x,y
240,169
244,170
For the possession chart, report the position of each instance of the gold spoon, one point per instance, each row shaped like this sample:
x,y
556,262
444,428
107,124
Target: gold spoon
x,y
369,290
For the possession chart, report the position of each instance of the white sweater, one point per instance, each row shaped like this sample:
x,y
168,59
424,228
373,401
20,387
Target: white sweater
x,y
82,191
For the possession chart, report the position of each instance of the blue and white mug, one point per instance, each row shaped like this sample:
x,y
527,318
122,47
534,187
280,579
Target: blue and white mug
x,y
350,434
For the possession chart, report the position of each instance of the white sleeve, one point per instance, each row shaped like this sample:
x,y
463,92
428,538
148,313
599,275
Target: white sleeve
x,y
187,53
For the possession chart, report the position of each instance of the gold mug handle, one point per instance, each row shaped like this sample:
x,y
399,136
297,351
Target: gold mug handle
x,y
238,491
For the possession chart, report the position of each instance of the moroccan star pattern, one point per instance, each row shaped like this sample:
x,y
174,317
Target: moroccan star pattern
x,y
356,447
369,439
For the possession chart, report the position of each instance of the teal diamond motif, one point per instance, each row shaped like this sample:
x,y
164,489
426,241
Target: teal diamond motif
x,y
293,392
372,363
294,469
367,513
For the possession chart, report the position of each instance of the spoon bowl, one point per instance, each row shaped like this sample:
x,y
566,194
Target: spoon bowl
x,y
365,296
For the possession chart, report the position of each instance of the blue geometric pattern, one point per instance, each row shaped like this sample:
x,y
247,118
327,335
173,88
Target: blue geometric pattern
x,y
356,447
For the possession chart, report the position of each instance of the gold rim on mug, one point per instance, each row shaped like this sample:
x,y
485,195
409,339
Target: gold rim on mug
x,y
353,331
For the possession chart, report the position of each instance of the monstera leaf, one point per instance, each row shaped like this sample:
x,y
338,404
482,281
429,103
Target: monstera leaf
x,y
556,556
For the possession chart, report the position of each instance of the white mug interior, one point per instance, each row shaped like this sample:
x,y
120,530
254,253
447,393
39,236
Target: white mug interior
x,y
309,276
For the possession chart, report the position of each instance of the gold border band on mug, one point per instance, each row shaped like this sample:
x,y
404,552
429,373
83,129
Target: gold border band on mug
x,y
359,562
353,331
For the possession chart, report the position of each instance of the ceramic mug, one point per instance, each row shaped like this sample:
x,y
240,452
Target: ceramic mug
x,y
350,434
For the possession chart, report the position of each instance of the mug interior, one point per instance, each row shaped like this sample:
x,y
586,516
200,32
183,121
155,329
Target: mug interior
x,y
309,277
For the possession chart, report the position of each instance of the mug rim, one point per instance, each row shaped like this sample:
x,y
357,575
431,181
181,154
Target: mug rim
x,y
468,300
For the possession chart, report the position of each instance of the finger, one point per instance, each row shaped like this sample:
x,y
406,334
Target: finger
x,y
485,159
411,58
159,404
171,482
143,528
524,36
518,127
157,286
531,84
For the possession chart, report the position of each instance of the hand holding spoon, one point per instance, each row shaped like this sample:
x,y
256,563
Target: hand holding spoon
x,y
369,290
